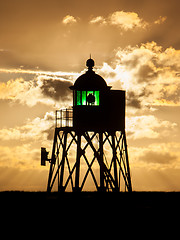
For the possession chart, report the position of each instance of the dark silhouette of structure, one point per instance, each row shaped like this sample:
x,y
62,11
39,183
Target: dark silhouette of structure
x,y
90,139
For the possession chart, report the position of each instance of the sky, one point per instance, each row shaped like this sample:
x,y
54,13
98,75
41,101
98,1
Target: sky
x,y
44,45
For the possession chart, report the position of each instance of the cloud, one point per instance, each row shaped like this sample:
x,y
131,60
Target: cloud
x,y
25,91
126,20
20,145
50,74
32,130
67,20
133,100
160,20
58,90
100,20
148,126
147,72
46,87
158,157
121,19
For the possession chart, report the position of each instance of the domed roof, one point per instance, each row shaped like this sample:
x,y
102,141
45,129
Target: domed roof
x,y
90,80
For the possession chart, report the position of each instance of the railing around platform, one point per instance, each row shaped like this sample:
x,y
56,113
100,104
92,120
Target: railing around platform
x,y
64,118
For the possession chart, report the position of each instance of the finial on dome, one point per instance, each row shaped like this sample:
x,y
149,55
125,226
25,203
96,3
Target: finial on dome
x,y
90,63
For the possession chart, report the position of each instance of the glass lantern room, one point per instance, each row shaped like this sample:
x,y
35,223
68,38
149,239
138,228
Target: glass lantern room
x,y
95,105
87,98
88,88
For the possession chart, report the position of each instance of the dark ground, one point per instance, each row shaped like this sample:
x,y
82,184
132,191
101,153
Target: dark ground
x,y
89,214
142,201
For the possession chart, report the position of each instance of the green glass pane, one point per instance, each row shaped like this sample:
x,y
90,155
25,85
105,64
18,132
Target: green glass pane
x,y
96,94
90,92
83,97
78,98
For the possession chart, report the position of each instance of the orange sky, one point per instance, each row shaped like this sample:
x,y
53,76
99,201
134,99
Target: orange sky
x,y
43,49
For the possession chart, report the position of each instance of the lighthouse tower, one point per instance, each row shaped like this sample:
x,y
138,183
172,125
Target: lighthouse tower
x,y
89,149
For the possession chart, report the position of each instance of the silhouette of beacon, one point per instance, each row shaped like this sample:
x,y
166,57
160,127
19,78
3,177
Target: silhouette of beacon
x,y
89,145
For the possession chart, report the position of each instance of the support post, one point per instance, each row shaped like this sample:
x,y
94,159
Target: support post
x,y
114,162
78,156
101,162
127,164
53,160
60,184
